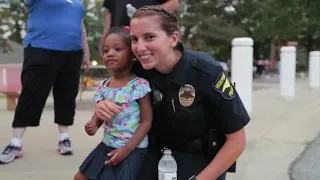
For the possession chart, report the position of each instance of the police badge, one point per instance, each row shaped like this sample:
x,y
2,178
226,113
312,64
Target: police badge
x,y
187,95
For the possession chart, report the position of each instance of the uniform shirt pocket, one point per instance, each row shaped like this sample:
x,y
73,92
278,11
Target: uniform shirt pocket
x,y
191,119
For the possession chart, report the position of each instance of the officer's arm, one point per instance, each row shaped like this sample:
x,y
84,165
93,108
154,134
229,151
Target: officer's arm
x,y
172,5
231,119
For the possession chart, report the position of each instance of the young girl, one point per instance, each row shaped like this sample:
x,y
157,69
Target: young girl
x,y
121,152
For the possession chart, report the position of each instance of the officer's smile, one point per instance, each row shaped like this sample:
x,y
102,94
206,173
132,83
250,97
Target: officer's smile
x,y
145,57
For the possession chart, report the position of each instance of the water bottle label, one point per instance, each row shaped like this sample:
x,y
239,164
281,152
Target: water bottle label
x,y
167,176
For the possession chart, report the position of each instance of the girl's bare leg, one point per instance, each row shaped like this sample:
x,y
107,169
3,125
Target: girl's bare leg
x,y
80,176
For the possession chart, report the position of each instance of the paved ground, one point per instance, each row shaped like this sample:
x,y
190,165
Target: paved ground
x,y
278,133
307,166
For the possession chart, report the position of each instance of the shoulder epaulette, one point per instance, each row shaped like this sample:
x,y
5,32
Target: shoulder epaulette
x,y
204,62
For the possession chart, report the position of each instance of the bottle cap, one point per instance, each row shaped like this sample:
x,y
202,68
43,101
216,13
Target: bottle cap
x,y
167,152
128,5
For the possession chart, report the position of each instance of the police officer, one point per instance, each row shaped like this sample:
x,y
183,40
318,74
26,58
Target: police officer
x,y
197,111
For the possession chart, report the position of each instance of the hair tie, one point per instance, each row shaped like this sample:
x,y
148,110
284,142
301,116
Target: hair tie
x,y
127,28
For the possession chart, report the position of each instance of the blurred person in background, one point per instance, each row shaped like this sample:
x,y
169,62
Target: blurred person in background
x,y
55,46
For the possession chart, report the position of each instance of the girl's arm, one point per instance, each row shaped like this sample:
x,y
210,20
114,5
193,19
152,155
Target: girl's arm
x,y
145,122
96,121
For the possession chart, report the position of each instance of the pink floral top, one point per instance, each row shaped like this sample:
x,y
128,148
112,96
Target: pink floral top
x,y
120,130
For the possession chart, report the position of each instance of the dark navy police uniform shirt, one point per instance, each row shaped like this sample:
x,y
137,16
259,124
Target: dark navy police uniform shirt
x,y
195,90
118,9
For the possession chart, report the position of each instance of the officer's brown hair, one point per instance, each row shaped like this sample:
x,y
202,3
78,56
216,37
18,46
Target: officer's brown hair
x,y
169,21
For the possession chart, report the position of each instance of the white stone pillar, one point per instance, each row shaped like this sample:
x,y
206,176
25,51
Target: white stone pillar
x,y
314,69
288,72
241,69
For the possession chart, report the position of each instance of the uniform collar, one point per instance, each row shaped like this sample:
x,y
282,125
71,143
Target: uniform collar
x,y
180,70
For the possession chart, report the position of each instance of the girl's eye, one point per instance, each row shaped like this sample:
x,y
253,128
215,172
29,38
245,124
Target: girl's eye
x,y
105,50
118,49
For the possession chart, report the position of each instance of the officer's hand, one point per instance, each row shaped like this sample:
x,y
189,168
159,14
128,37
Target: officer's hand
x,y
90,128
106,110
118,155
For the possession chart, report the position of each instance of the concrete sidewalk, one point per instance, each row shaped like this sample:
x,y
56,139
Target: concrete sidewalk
x,y
307,166
41,161
277,134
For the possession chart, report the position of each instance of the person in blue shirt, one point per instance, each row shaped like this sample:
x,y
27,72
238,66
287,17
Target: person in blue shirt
x,y
55,46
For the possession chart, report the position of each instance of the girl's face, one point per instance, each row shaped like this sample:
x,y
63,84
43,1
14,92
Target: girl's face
x,y
150,43
116,53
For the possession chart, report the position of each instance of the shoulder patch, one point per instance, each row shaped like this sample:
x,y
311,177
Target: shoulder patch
x,y
223,86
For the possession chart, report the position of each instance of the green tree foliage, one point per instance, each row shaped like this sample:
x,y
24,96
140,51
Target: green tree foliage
x,y
207,25
94,21
13,16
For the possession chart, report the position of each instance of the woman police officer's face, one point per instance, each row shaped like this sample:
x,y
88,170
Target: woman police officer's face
x,y
150,43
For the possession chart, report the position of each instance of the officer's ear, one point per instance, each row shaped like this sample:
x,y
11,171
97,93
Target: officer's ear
x,y
174,39
132,56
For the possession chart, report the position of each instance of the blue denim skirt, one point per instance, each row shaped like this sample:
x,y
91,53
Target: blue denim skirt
x,y
94,168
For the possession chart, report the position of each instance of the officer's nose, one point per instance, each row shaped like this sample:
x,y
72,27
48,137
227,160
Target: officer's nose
x,y
141,47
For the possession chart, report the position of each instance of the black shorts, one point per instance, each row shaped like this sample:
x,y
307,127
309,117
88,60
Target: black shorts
x,y
94,168
42,70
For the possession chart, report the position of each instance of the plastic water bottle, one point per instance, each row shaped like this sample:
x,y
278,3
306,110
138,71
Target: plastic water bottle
x,y
167,167
130,10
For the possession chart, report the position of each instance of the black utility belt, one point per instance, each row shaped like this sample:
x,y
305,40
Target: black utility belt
x,y
207,148
192,146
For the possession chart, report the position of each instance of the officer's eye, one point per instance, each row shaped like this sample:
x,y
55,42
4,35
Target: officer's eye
x,y
149,37
134,40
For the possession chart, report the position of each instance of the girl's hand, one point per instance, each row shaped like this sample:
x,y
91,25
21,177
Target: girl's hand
x,y
90,128
106,110
118,155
